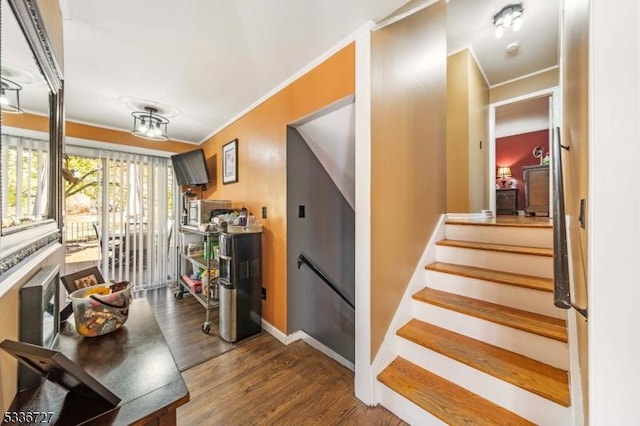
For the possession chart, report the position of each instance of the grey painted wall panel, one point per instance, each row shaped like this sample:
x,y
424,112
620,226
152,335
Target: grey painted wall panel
x,y
326,236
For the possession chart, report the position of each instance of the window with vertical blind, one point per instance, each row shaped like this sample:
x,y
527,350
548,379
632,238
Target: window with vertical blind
x,y
25,173
134,216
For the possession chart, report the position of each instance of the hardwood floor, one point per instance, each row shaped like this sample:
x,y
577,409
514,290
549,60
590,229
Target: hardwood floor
x,y
180,322
258,381
263,382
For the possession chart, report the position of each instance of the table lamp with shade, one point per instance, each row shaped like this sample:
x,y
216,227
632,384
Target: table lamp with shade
x,y
504,172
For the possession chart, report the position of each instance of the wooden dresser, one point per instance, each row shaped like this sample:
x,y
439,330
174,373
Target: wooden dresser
x,y
506,201
536,189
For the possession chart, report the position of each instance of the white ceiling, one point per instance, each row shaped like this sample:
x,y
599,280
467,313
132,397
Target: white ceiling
x,y
470,23
203,62
19,66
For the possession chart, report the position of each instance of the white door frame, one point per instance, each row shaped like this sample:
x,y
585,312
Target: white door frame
x,y
554,94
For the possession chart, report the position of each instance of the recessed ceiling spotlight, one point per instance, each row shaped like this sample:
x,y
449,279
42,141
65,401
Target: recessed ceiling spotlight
x,y
512,48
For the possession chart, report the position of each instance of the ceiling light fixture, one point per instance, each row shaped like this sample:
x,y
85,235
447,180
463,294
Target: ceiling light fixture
x,y
148,124
509,17
10,96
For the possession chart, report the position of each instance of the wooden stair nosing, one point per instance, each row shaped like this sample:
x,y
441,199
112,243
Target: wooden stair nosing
x,y
534,376
541,225
500,277
502,248
530,322
445,400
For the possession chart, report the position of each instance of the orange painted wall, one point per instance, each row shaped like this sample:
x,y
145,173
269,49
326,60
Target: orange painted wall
x,y
26,121
262,157
100,134
84,131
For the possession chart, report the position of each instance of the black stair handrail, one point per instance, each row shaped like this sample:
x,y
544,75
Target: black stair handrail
x,y
302,259
561,287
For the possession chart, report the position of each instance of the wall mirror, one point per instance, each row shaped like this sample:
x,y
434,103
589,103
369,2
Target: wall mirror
x,y
31,133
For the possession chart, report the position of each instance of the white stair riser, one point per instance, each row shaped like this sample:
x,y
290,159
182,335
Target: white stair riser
x,y
537,266
540,348
519,401
529,237
405,409
539,302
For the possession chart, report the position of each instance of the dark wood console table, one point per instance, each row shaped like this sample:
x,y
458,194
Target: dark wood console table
x,y
133,362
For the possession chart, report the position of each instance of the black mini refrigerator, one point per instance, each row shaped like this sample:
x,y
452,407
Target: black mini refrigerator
x,y
240,285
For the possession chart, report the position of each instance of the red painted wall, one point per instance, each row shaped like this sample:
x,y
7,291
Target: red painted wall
x,y
517,151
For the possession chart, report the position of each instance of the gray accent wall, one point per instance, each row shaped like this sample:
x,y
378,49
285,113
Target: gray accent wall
x,y
326,236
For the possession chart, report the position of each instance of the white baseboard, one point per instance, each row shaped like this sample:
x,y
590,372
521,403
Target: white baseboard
x,y
272,330
287,339
327,351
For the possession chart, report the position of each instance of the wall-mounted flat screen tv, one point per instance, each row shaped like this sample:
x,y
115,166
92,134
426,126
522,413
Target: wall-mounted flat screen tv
x,y
190,168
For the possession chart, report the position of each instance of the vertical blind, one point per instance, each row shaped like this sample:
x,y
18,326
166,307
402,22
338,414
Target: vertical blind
x,y
25,170
136,218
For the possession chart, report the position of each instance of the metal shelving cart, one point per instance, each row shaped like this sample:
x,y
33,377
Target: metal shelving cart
x,y
187,265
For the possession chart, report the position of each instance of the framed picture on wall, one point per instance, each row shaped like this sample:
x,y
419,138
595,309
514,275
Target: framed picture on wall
x,y
230,162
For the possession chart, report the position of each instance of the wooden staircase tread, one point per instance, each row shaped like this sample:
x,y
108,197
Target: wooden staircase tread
x,y
445,400
501,277
504,248
541,325
515,222
529,374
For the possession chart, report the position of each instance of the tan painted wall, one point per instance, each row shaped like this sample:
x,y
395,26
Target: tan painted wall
x,y
478,139
545,80
576,161
408,154
458,132
261,135
467,126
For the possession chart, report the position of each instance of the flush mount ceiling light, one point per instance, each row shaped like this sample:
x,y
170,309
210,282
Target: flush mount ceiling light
x,y
10,96
509,17
148,124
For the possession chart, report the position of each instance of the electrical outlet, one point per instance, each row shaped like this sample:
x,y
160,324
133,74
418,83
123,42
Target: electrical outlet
x,y
264,212
264,293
